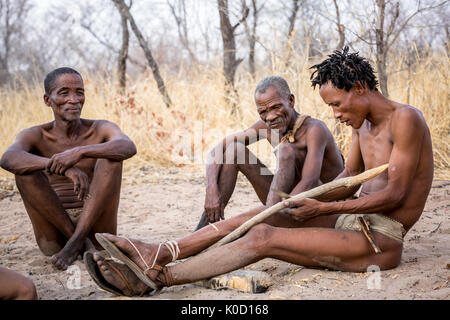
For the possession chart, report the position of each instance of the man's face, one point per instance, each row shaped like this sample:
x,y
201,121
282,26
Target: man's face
x,y
348,106
274,110
66,97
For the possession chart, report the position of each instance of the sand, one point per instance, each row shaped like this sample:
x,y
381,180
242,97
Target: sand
x,y
159,204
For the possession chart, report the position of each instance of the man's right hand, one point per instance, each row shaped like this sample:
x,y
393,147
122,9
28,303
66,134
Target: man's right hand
x,y
60,162
80,181
213,206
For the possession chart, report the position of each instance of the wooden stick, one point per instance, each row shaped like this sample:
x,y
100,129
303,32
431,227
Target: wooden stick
x,y
343,182
365,228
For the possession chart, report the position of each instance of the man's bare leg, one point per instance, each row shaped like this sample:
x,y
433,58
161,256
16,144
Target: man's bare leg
x,y
257,174
238,158
198,241
15,286
309,247
51,224
288,158
99,211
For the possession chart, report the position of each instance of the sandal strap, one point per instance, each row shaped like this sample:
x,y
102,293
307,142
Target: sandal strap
x,y
171,245
110,265
139,253
173,248
168,276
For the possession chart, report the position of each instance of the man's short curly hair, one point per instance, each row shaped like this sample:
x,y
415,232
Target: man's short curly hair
x,y
277,82
51,77
344,69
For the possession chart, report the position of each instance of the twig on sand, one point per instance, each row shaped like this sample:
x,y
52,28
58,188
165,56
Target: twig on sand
x,y
343,182
436,229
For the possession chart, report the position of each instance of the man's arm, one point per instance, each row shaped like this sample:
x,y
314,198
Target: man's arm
x,y
316,141
116,146
407,134
353,166
18,159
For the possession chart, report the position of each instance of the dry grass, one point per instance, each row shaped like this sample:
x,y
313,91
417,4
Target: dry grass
x,y
199,116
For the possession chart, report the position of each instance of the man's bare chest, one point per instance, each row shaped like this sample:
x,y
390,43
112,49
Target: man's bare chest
x,y
376,147
49,146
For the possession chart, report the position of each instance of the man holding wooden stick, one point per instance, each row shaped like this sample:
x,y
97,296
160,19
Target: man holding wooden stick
x,y
348,235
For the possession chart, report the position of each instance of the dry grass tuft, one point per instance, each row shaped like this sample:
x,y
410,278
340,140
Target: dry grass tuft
x,y
199,116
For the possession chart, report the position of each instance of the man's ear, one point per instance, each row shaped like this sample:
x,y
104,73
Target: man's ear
x,y
360,89
291,101
46,99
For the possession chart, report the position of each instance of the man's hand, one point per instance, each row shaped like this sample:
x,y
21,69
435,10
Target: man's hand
x,y
60,162
213,206
302,210
80,182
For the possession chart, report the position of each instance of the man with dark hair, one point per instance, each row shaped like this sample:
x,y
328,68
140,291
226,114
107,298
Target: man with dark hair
x,y
350,235
50,78
306,152
69,171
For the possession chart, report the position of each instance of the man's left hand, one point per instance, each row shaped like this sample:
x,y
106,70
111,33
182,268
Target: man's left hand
x,y
302,210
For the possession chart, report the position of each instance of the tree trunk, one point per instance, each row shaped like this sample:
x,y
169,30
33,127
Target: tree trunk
x,y
123,9
381,52
230,63
123,55
180,20
251,37
290,34
340,27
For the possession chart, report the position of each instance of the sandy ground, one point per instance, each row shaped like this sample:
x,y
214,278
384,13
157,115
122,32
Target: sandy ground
x,y
162,204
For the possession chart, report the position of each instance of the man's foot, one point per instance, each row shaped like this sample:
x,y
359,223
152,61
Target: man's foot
x,y
139,251
63,259
132,287
89,246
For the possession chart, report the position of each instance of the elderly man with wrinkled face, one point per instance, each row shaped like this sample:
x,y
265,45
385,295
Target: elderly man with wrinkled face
x,y
68,171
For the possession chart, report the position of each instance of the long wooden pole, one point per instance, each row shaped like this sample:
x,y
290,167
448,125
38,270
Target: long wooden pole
x,y
343,182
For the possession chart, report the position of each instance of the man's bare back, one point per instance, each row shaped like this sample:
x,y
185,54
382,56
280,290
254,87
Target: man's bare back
x,y
68,163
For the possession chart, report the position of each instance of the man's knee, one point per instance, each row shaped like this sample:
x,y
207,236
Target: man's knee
x,y
30,180
25,290
49,247
260,236
237,153
286,153
108,165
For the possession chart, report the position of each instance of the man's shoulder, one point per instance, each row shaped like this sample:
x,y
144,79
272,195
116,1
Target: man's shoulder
x,y
315,126
313,131
405,115
37,130
99,123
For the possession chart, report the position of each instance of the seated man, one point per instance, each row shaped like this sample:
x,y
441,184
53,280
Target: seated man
x,y
322,233
308,158
68,171
15,286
